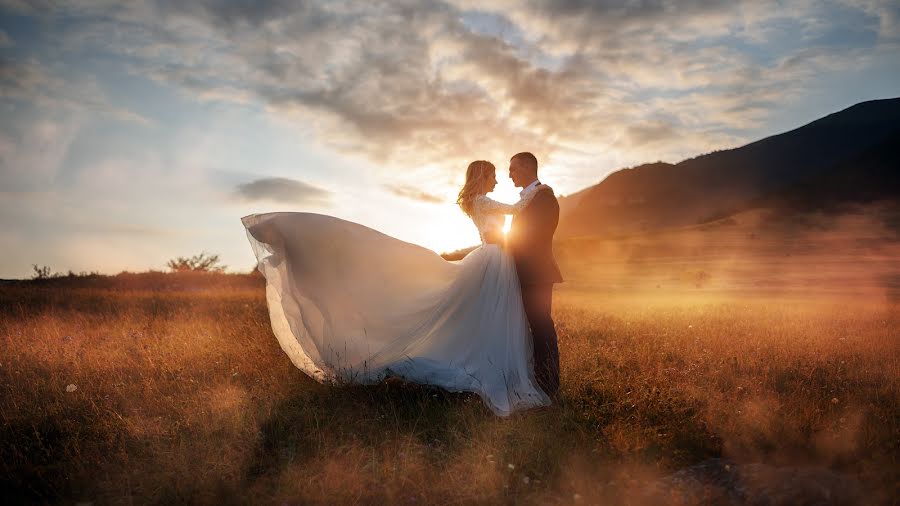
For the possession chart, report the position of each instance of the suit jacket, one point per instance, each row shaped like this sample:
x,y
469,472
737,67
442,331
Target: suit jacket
x,y
530,240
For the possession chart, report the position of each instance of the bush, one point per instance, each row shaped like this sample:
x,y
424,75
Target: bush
x,y
42,272
198,263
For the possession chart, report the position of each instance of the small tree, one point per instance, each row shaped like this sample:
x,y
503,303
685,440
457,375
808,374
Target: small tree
x,y
42,272
203,262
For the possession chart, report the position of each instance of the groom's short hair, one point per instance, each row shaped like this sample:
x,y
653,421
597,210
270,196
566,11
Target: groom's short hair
x,y
527,160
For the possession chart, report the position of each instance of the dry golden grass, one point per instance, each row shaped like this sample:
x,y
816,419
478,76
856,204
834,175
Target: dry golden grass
x,y
186,397
745,339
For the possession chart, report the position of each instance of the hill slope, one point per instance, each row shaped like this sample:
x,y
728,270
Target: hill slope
x,y
660,194
872,175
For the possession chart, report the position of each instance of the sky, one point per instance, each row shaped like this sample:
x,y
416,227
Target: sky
x,y
135,132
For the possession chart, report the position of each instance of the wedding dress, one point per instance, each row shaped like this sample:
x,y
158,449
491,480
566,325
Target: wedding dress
x,y
350,304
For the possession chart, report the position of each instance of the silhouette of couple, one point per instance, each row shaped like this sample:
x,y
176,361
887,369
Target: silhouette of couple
x,y
350,304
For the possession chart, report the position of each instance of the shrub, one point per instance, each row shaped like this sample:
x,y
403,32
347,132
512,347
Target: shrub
x,y
203,262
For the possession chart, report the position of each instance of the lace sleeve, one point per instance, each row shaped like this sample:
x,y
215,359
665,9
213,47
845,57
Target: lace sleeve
x,y
487,205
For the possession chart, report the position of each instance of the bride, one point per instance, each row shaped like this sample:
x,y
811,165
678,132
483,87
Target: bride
x,y
350,304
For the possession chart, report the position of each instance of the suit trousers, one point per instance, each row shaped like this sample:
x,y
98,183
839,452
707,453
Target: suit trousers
x,y
537,301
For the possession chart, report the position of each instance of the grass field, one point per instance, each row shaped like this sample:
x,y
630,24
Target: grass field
x,y
185,396
774,355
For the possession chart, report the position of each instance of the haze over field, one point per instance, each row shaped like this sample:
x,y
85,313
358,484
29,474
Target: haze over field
x,y
132,133
170,388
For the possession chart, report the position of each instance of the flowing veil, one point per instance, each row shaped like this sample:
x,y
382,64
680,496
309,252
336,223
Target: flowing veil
x,y
350,304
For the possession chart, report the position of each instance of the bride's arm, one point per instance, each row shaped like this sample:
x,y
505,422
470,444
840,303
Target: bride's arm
x,y
488,205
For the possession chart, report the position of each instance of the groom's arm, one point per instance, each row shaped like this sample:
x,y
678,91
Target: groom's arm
x,y
547,215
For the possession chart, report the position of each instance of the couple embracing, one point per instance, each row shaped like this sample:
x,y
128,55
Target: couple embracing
x,y
350,304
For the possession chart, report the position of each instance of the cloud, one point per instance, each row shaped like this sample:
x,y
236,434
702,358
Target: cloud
x,y
411,87
413,193
284,190
33,149
405,81
886,12
650,132
32,82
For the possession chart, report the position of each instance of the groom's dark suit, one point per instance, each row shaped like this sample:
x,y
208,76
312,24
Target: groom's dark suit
x,y
530,241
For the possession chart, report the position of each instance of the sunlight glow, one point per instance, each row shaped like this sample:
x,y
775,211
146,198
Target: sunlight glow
x,y
449,232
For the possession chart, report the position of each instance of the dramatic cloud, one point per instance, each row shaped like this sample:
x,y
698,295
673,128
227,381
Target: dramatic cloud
x,y
279,189
401,80
399,95
31,82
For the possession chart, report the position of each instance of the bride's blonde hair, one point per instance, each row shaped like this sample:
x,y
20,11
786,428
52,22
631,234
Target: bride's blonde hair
x,y
476,174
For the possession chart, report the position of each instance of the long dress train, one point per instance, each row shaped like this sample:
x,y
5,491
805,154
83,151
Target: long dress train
x,y
350,304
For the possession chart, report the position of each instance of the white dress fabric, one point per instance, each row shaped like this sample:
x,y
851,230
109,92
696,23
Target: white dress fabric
x,y
350,304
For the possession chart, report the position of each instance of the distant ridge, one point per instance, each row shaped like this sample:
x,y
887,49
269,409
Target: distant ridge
x,y
848,155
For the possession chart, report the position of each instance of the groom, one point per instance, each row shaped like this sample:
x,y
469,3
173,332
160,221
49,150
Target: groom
x,y
530,241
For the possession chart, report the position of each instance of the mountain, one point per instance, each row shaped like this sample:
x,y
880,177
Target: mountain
x,y
872,175
848,155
